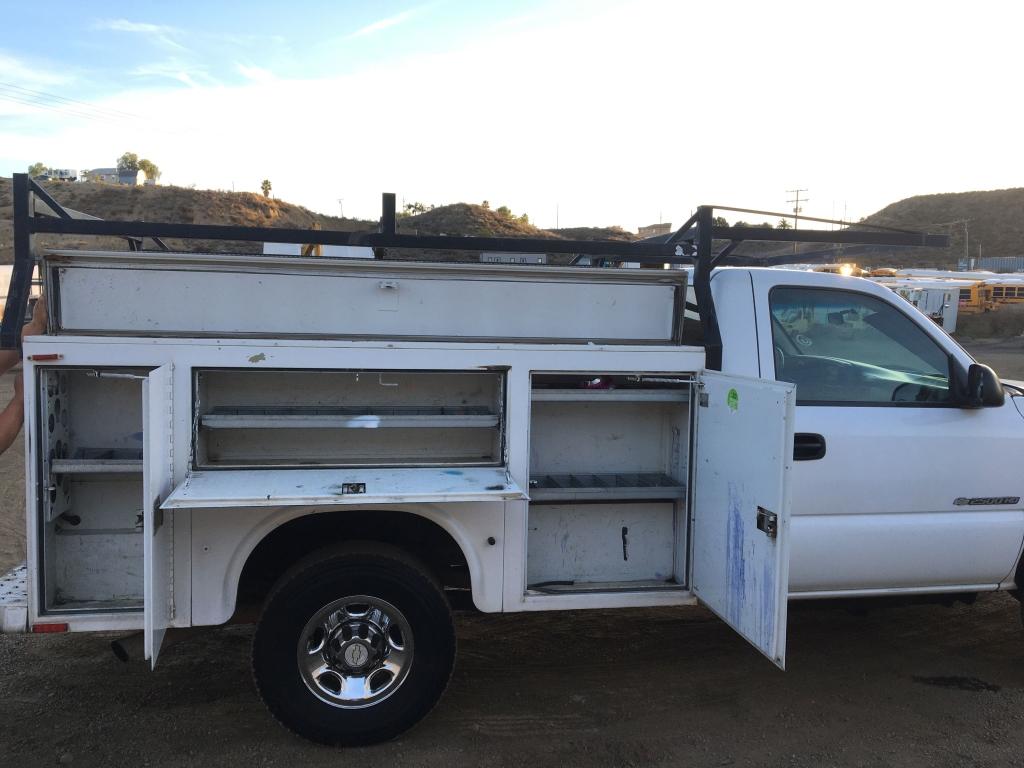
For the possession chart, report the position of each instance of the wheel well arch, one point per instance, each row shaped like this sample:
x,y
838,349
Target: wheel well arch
x,y
295,538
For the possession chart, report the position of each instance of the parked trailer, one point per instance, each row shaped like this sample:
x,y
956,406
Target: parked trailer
x,y
350,446
938,300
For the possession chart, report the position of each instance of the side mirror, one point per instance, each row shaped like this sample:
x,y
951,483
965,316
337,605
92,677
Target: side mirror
x,y
984,390
977,387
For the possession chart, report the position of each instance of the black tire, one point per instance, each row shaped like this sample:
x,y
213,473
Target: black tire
x,y
374,570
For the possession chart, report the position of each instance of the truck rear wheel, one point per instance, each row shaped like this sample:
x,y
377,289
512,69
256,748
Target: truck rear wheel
x,y
356,644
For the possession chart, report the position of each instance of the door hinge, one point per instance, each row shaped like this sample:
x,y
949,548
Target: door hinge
x,y
767,522
702,396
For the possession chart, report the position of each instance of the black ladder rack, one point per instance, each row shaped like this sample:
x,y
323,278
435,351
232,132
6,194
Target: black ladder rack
x,y
36,212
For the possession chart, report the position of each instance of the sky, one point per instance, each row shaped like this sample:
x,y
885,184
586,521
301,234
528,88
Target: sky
x,y
576,112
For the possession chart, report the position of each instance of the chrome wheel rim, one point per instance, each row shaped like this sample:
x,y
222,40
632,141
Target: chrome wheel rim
x,y
355,652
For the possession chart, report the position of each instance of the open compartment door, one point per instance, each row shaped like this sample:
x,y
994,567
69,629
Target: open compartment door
x,y
156,485
740,537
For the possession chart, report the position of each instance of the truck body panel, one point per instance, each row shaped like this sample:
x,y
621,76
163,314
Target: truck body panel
x,y
879,512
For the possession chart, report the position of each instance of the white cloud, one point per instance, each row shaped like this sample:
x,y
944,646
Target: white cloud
x,y
124,25
26,73
611,115
377,26
253,73
160,33
178,70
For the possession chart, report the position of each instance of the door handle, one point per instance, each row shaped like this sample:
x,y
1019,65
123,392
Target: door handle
x,y
808,446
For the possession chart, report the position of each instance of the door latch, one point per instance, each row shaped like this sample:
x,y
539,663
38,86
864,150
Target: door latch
x,y
767,522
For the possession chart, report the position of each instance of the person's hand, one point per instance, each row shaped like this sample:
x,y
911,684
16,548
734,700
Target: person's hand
x,y
37,326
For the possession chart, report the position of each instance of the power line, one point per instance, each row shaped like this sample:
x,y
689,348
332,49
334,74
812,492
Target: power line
x,y
54,97
58,110
60,105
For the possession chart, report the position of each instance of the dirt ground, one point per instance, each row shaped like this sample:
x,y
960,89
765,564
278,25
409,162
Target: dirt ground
x,y
923,685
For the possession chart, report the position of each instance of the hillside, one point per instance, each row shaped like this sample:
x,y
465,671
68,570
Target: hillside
x,y
994,224
172,204
178,204
994,221
467,219
595,233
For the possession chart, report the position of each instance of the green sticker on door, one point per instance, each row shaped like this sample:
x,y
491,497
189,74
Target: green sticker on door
x,y
733,400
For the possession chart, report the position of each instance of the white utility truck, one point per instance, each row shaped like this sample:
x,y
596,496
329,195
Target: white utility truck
x,y
353,446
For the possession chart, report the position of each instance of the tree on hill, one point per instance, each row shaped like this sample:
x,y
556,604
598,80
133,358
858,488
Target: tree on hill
x,y
150,168
128,163
719,221
266,187
37,169
504,211
783,224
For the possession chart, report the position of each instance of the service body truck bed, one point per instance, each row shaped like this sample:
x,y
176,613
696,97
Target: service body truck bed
x,y
349,446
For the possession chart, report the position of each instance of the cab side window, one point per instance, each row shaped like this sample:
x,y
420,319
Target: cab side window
x,y
848,347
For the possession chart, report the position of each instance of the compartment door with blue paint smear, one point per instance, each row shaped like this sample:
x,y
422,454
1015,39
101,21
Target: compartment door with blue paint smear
x,y
740,505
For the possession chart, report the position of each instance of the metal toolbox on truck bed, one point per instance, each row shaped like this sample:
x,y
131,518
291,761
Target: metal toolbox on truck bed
x,y
231,295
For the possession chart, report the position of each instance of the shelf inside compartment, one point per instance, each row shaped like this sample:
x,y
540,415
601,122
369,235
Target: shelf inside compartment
x,y
298,417
587,587
338,487
610,395
631,485
99,461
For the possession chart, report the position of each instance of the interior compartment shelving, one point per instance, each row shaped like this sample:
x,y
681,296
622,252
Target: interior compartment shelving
x,y
609,395
633,485
99,461
347,418
91,489
608,462
343,419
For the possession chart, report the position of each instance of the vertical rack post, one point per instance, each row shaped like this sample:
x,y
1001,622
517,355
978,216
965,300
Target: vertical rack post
x,y
702,289
387,217
24,262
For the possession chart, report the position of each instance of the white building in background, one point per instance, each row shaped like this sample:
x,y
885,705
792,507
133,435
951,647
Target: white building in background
x,y
114,176
108,175
655,230
134,178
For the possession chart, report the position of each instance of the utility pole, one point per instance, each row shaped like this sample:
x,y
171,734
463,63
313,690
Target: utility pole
x,y
797,210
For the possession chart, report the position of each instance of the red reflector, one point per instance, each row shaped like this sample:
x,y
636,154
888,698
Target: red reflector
x,y
43,358
42,629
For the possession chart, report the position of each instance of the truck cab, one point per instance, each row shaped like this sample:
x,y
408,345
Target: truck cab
x,y
897,487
